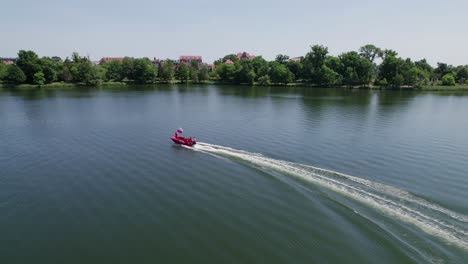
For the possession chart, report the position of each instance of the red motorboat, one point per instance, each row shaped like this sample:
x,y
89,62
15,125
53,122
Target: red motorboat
x,y
183,140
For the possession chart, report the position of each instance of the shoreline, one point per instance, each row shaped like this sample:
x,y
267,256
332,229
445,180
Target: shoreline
x,y
63,85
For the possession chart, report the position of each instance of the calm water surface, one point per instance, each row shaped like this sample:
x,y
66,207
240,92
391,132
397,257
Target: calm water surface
x,y
280,176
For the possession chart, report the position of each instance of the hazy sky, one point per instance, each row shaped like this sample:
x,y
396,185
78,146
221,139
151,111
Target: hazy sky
x,y
436,30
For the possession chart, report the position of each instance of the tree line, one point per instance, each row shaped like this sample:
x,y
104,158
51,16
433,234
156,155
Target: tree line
x,y
369,65
29,68
354,68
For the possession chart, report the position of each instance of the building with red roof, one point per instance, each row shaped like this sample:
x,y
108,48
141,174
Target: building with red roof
x,y
188,59
212,67
297,59
8,61
245,56
107,59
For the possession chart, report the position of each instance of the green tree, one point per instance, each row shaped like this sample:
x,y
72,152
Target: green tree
x,y
421,77
296,67
114,71
167,71
462,74
411,77
390,69
426,72
194,75
315,69
283,59
250,77
398,80
370,52
443,69
389,52
3,68
336,65
356,70
328,76
226,72
143,71
182,72
78,70
194,69
14,75
83,70
410,73
101,72
64,73
74,73
423,65
313,64
244,72
448,80
239,72
39,79
279,73
50,69
76,58
260,66
127,71
203,74
87,73
264,80
29,63
383,82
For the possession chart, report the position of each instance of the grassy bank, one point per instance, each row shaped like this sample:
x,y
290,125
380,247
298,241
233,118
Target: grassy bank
x,y
403,88
64,85
445,88
58,85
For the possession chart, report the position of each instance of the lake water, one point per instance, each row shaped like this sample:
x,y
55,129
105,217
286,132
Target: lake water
x,y
280,175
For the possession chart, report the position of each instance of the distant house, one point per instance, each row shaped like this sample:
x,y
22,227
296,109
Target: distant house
x,y
211,67
297,59
189,59
160,63
245,56
228,61
107,59
8,61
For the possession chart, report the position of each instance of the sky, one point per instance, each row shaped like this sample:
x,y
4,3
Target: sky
x,y
435,30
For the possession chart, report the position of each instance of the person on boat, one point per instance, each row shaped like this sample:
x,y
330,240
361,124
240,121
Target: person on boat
x,y
178,131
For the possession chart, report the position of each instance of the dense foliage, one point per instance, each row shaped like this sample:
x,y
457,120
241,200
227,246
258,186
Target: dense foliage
x,y
77,69
369,65
167,71
182,72
14,75
354,68
448,80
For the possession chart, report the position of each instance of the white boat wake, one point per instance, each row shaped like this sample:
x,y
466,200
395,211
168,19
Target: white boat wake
x,y
429,217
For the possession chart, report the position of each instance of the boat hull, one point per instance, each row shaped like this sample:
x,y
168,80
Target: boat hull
x,y
183,141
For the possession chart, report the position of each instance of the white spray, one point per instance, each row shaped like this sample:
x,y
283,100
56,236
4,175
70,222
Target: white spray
x,y
429,217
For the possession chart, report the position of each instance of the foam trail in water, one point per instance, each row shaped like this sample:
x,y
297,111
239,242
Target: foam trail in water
x,y
429,217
